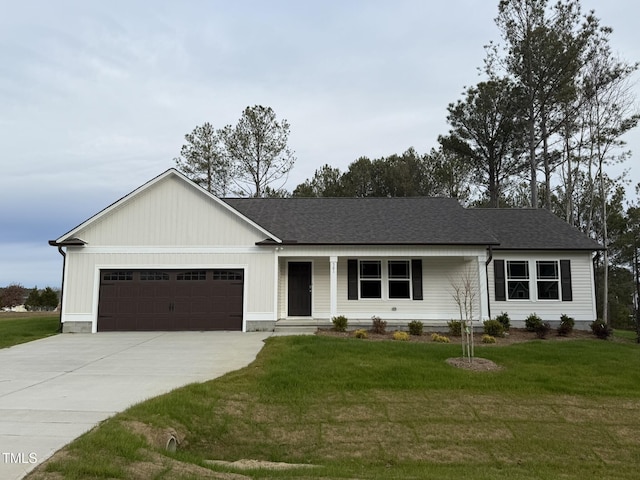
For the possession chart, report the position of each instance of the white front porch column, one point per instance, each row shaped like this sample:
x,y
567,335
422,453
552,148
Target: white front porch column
x,y
333,286
483,299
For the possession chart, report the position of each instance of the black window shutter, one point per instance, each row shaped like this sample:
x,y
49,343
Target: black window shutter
x,y
565,280
499,281
416,278
352,281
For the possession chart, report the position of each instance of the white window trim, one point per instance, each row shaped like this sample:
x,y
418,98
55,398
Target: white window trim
x,y
533,280
407,279
384,279
508,279
557,280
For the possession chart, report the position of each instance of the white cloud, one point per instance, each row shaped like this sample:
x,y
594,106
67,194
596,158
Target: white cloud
x,y
96,97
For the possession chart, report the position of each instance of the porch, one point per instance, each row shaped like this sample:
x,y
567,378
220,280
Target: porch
x,y
394,283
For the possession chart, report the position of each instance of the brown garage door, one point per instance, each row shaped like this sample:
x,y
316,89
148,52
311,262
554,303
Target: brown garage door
x,y
170,300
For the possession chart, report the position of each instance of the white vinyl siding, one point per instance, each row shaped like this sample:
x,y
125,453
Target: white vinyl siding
x,y
582,305
170,213
320,283
83,267
438,273
171,225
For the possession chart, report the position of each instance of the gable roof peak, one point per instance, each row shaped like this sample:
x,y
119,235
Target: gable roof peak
x,y
171,172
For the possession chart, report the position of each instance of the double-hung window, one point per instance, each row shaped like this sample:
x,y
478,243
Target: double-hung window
x,y
548,280
399,279
370,279
384,279
518,280
551,280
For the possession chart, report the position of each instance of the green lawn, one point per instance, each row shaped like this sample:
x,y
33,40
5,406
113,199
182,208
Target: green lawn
x,y
392,410
25,327
626,334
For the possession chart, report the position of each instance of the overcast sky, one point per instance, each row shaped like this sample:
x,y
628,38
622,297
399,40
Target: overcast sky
x,y
96,96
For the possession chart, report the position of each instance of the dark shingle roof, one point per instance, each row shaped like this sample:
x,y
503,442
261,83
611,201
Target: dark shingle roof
x,y
532,229
409,221
366,221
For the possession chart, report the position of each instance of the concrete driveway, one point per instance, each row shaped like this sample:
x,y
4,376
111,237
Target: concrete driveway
x,y
53,390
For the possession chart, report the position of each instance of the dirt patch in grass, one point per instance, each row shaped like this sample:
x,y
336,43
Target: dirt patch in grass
x,y
154,465
475,364
160,466
245,464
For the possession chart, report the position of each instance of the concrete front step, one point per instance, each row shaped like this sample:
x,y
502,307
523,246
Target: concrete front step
x,y
298,327
291,330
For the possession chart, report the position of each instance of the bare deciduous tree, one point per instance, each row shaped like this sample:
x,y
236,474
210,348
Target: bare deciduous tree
x,y
465,293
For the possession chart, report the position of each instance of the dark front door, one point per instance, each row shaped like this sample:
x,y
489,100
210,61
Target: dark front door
x,y
299,275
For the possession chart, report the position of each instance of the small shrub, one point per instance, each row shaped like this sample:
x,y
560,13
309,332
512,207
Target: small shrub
x,y
415,328
601,329
340,323
402,336
532,322
455,328
378,325
493,328
488,339
436,337
566,325
360,333
542,329
504,319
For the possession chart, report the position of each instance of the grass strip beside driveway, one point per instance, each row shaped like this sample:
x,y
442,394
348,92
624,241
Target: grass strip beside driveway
x,y
361,409
26,328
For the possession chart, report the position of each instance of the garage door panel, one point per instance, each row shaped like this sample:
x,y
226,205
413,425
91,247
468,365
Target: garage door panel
x,y
171,300
200,305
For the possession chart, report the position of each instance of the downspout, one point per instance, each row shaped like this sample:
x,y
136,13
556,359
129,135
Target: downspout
x,y
486,272
76,242
64,261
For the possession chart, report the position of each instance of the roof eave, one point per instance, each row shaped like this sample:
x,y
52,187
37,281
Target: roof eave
x,y
269,242
555,249
68,242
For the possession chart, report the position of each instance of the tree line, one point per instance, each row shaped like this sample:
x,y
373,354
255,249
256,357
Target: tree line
x,y
34,299
543,129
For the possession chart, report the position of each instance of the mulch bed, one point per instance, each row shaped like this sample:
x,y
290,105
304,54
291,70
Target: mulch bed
x,y
477,364
515,335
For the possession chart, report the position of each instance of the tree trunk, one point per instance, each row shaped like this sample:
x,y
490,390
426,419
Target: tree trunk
x,y
569,213
547,167
493,185
636,267
605,240
533,183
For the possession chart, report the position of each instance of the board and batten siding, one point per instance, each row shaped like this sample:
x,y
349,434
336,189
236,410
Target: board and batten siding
x,y
170,213
171,224
83,277
582,306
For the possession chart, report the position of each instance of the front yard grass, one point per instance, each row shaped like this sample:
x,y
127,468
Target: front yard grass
x,y
625,334
25,327
392,410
